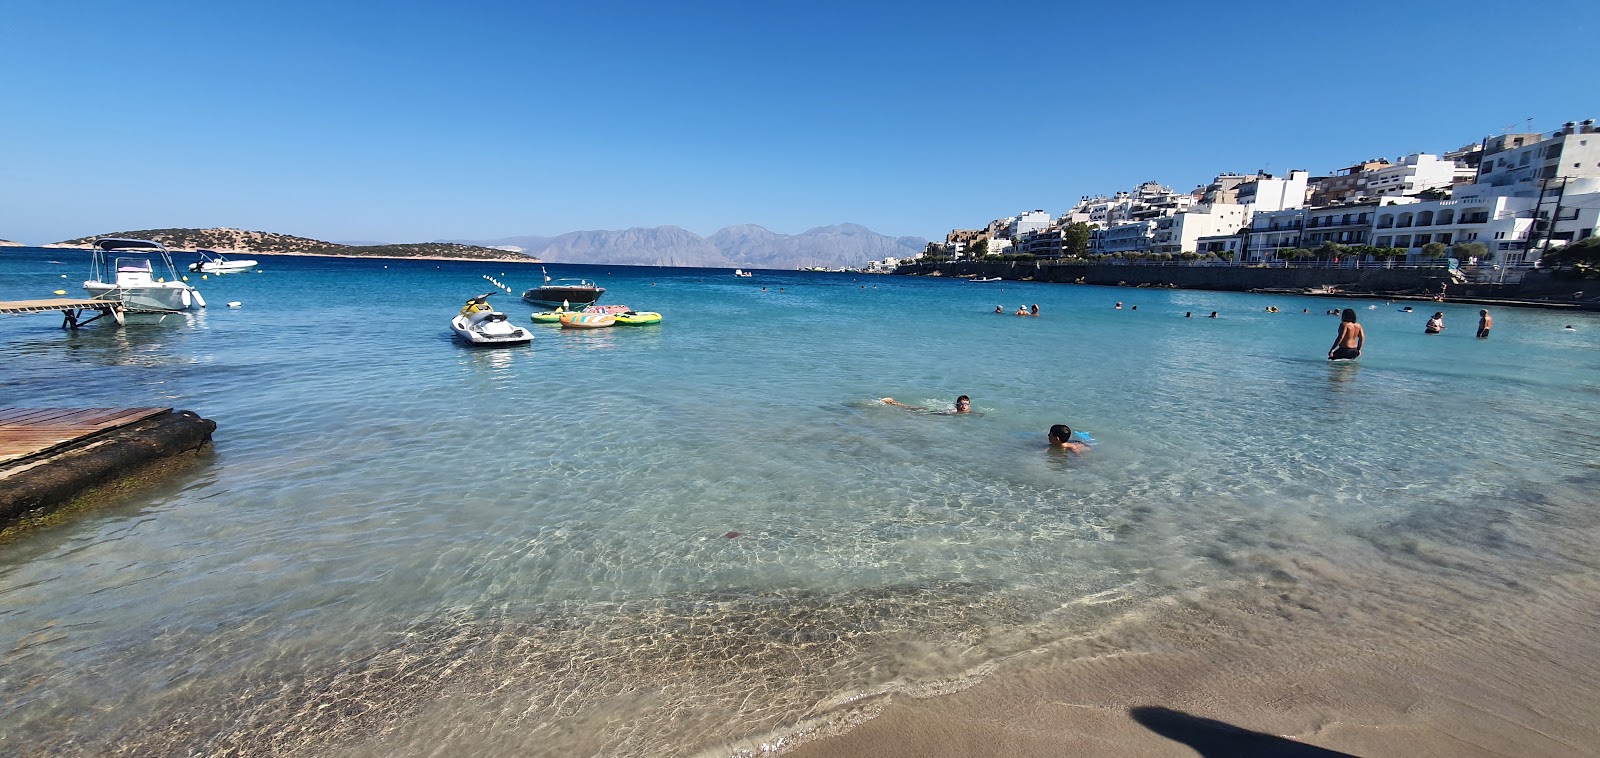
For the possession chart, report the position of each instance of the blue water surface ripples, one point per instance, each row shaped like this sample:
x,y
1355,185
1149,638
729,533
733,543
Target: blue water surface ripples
x,y
700,536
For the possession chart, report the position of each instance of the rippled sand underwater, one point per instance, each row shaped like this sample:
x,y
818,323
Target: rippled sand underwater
x,y
402,546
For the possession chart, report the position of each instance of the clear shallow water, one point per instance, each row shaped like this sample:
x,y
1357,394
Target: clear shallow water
x,y
405,545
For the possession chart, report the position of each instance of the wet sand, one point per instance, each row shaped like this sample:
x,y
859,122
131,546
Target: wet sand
x,y
1445,669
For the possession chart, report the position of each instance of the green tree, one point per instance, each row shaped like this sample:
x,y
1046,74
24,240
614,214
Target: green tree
x,y
979,249
1434,250
1582,257
1330,250
1075,240
1465,250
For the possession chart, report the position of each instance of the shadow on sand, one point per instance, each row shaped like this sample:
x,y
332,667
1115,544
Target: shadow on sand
x,y
1217,739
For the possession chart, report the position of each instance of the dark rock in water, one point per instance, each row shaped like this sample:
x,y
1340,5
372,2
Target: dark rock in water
x,y
731,535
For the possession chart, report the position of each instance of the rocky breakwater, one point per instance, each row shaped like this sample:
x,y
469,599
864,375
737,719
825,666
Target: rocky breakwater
x,y
98,467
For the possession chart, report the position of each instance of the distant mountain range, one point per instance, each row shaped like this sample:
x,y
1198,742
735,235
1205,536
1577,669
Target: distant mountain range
x,y
745,246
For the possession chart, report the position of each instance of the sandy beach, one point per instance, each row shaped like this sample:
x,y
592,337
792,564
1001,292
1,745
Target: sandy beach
x,y
1331,663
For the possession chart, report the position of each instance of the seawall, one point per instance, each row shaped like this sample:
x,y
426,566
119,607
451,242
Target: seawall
x,y
1233,278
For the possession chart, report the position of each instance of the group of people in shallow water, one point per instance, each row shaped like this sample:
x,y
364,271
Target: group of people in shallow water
x,y
1060,435
1347,344
1022,310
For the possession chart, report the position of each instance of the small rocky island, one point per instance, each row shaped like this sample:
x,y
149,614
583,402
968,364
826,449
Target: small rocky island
x,y
239,241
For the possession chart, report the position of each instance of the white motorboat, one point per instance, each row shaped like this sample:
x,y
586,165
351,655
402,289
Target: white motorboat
x,y
742,273
212,262
480,324
132,278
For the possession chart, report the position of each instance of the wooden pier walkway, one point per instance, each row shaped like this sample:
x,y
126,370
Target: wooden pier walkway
x,y
26,432
70,309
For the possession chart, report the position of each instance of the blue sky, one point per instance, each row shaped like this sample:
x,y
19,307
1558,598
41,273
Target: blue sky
x,y
403,122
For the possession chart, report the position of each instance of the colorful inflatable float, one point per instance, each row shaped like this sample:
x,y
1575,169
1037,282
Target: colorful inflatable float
x,y
625,315
587,320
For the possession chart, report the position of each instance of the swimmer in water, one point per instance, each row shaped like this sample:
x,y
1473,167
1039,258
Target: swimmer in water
x,y
963,405
1060,437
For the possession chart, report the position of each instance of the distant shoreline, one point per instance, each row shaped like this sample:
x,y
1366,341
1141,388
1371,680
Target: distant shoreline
x,y
240,253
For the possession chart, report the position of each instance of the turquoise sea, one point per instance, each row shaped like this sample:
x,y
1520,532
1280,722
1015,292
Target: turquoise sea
x,y
703,537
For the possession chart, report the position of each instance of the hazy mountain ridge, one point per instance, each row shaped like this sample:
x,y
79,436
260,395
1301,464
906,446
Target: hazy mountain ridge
x,y
240,241
740,245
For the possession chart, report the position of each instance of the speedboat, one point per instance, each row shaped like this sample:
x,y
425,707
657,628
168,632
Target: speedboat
x,y
135,280
480,324
743,273
561,291
981,280
212,262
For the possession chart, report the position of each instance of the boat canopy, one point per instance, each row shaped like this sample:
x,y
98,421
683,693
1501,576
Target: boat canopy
x,y
115,243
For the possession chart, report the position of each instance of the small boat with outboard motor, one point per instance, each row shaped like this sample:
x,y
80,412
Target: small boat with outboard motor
x,y
741,273
213,262
563,291
480,324
133,278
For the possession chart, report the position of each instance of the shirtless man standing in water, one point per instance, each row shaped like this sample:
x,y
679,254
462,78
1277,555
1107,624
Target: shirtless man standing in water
x,y
1347,345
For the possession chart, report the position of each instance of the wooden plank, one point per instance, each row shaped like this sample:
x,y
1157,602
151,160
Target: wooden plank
x,y
26,432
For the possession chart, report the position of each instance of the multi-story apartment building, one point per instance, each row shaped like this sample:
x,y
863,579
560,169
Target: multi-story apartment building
x,y
1180,232
1223,189
1225,245
1413,175
1266,192
1025,222
1345,224
965,236
1150,200
1512,158
1475,214
1344,185
1048,242
1271,231
1132,237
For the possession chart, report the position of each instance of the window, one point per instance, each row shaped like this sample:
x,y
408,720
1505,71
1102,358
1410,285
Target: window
x,y
1471,236
1403,240
1423,239
1500,236
1384,241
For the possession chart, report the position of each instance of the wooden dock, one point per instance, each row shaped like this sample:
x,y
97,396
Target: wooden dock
x,y
26,432
70,309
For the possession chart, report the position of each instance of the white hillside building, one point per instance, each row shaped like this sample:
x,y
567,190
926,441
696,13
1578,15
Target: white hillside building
x,y
1475,214
1269,193
1413,175
1180,233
